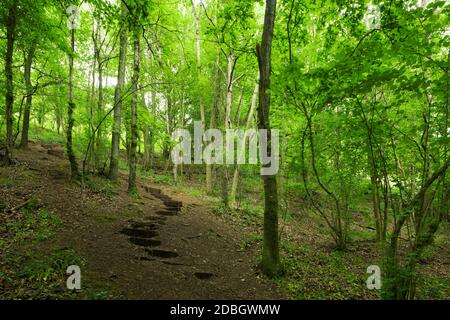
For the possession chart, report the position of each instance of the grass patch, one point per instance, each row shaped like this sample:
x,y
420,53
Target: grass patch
x,y
310,274
248,209
133,210
32,225
220,210
100,185
35,276
195,192
434,288
6,181
252,240
363,234
105,219
163,179
46,136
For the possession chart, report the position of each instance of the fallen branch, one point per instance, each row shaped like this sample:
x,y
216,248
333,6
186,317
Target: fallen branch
x,y
20,206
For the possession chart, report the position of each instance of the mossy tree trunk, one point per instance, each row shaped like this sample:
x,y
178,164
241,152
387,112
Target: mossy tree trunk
x,y
400,278
70,120
11,21
29,96
134,129
115,143
270,254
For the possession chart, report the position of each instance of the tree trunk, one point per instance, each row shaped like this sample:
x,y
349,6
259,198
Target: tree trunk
x,y
72,159
234,186
212,122
58,115
237,119
168,118
91,102
199,59
374,177
98,142
270,255
231,62
115,144
9,92
133,144
375,193
399,280
146,158
29,89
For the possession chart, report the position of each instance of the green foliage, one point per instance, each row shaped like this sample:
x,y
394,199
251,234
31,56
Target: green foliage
x,y
363,114
163,178
251,241
335,275
39,276
100,185
34,225
47,136
431,287
221,210
250,210
50,268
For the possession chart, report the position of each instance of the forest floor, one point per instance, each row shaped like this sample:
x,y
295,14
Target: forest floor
x,y
172,241
128,247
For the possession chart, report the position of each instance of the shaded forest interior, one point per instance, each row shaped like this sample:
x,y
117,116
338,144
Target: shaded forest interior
x,y
353,100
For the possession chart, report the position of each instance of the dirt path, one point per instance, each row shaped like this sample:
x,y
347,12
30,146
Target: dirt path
x,y
161,245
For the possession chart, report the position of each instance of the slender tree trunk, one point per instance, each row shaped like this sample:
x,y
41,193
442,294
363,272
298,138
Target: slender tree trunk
x,y
153,107
98,143
199,59
234,186
58,115
212,123
231,61
374,177
91,102
146,158
146,137
115,144
237,119
98,140
9,93
375,194
399,280
152,150
70,153
134,100
270,254
170,127
29,89
199,69
168,116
